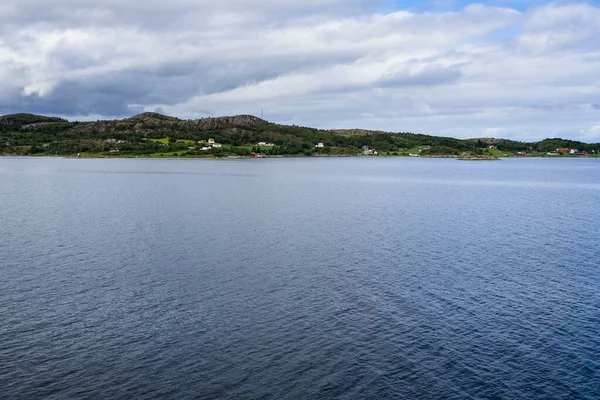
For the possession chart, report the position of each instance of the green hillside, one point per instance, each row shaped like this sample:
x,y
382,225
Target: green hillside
x,y
156,135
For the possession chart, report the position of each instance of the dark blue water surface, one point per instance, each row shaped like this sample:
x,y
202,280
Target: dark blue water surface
x,y
299,278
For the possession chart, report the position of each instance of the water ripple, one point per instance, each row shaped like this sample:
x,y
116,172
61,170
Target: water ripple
x,y
354,278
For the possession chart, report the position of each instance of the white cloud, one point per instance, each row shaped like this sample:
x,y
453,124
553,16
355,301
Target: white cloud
x,y
479,71
591,134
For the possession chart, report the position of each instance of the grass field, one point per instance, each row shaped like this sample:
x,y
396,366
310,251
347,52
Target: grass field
x,y
412,150
162,140
166,141
499,153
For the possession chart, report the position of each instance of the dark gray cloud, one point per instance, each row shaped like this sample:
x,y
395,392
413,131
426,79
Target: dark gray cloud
x,y
166,82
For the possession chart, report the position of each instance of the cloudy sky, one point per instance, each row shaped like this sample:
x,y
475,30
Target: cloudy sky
x,y
524,69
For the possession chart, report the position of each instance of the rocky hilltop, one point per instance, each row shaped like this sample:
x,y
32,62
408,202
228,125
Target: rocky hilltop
x,y
149,122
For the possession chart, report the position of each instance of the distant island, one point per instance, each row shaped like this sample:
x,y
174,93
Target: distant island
x,y
155,135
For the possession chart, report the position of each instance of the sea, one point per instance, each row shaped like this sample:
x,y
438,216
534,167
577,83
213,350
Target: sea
x,y
299,278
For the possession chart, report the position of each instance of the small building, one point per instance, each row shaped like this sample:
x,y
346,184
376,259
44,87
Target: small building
x,y
319,145
114,150
205,148
563,150
264,144
574,151
217,145
211,141
492,146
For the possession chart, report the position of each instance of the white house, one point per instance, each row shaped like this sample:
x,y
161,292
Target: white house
x,y
366,151
320,145
216,145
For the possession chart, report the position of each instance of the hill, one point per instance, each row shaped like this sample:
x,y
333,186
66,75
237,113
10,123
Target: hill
x,y
26,119
156,135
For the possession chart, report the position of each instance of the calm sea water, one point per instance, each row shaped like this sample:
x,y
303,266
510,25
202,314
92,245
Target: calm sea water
x,y
299,278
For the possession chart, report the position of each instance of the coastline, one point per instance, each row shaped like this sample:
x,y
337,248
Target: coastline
x,y
141,157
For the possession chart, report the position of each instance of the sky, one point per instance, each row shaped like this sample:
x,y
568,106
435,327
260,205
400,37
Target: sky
x,y
519,69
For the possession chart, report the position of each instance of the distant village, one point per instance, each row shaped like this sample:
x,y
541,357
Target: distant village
x,y
565,150
210,144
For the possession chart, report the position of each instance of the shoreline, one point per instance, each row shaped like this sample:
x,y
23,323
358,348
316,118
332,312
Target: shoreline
x,y
94,157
